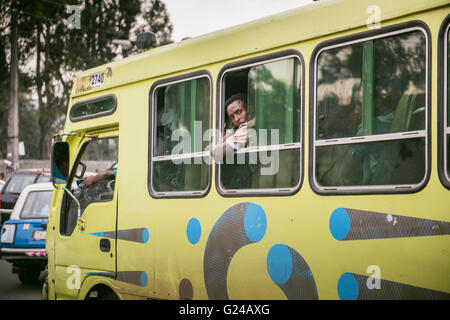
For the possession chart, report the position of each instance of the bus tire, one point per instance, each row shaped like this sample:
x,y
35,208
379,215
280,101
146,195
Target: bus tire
x,y
29,275
101,292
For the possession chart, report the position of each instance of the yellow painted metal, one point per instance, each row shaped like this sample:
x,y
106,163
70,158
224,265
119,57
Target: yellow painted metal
x,y
300,221
302,24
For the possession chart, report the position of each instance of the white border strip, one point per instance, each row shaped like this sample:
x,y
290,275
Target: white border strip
x,y
182,156
372,138
275,147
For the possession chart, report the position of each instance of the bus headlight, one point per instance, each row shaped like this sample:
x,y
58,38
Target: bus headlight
x,y
8,233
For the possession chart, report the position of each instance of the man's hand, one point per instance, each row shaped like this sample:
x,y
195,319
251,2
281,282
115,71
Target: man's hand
x,y
239,138
99,176
231,142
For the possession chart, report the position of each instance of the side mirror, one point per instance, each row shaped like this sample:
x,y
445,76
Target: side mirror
x,y
81,169
60,163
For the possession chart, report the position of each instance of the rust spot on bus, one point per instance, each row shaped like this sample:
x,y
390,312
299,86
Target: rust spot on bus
x,y
82,84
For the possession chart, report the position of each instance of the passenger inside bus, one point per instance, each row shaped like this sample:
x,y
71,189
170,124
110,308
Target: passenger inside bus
x,y
371,155
268,157
371,112
236,136
376,163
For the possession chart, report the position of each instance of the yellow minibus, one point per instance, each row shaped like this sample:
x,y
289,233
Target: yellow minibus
x,y
300,156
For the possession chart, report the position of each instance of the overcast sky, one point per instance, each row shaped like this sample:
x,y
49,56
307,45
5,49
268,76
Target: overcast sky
x,y
192,18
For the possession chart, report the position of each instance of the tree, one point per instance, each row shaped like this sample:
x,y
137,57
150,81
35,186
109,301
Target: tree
x,y
57,52
4,90
157,20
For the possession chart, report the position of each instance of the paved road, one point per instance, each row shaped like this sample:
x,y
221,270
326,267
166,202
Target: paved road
x,y
12,289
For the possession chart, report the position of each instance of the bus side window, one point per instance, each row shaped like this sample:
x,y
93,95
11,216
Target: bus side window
x,y
270,159
447,107
181,117
368,95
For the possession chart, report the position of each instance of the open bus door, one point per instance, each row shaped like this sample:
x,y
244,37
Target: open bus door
x,y
88,215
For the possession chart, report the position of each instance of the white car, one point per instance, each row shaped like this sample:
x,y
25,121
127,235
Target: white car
x,y
23,235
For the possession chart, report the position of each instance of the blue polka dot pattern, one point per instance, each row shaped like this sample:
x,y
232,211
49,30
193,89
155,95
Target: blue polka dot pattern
x,y
348,287
339,224
279,264
356,287
351,224
255,223
288,269
193,231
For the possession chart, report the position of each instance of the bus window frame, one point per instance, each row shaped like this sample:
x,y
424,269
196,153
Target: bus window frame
x,y
80,153
93,100
220,112
384,32
151,134
443,131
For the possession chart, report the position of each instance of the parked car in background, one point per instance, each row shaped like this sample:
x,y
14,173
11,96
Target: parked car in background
x,y
14,186
2,183
23,236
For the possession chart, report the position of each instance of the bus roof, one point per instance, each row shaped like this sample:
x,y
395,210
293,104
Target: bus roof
x,y
295,25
